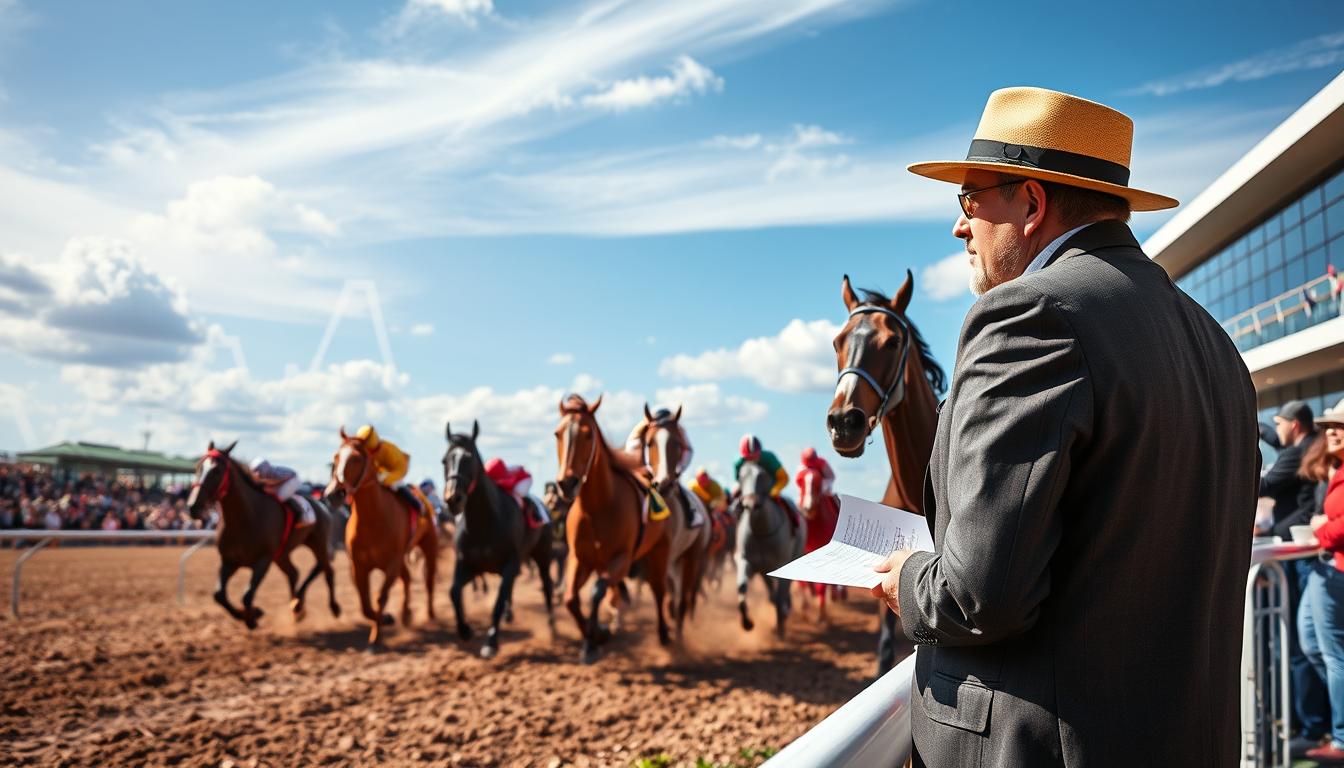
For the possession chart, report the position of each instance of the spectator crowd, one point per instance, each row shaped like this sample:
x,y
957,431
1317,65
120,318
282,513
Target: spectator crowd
x,y
36,497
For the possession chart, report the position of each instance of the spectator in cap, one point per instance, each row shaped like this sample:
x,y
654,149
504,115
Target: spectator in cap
x,y
1320,615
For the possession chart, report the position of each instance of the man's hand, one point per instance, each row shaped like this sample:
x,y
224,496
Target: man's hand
x,y
889,591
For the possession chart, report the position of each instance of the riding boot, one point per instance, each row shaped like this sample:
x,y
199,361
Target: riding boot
x,y
303,515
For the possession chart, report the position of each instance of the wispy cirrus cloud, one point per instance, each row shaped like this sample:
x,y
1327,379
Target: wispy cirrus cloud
x,y
1313,53
686,76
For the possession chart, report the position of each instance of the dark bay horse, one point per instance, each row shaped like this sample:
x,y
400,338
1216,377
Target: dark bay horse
x,y
887,376
255,530
492,535
605,528
687,546
382,530
766,540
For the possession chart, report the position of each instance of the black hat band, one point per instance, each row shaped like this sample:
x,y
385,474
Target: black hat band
x,y
1057,160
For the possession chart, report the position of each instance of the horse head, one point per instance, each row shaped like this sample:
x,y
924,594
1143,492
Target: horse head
x,y
755,484
811,491
351,466
663,446
212,477
577,441
872,353
462,467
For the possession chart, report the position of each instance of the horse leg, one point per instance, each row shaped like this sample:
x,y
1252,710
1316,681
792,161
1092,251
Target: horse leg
x,y
430,546
576,574
657,577
541,556
779,593
405,577
596,634
821,596
507,576
390,574
743,577
461,575
226,571
329,573
286,567
250,613
360,574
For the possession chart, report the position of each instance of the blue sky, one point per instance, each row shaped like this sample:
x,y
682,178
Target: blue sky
x,y
652,200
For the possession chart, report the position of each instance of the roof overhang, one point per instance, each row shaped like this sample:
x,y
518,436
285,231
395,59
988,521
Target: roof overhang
x,y
1294,153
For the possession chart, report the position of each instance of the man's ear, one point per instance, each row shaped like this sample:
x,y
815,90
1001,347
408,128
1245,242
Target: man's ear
x,y
1038,206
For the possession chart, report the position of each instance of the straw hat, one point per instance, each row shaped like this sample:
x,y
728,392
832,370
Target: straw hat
x,y
1052,136
1332,416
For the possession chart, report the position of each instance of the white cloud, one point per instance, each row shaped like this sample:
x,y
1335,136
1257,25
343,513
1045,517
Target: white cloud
x,y
687,77
706,405
422,329
1317,52
99,303
417,13
748,141
947,278
799,358
560,358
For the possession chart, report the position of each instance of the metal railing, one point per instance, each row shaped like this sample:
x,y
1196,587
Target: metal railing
x,y
1277,317
44,537
873,728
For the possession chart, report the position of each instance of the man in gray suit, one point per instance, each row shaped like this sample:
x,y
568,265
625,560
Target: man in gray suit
x,y
1093,476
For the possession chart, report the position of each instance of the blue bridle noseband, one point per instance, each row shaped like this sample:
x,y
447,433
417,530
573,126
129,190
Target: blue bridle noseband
x,y
894,394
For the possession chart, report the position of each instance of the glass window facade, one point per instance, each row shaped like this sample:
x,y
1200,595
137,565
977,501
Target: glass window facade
x,y
1320,392
1282,256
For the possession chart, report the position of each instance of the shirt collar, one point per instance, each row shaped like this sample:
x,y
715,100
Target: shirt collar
x,y
1043,257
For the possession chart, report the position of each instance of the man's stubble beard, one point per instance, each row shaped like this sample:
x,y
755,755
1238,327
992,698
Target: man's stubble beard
x,y
1009,267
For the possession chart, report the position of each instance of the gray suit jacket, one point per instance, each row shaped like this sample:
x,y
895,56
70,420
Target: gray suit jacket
x,y
1090,493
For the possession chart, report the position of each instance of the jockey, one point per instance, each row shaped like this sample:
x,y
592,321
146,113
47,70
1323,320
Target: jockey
x,y
427,489
810,460
709,491
635,442
283,483
517,481
750,450
391,463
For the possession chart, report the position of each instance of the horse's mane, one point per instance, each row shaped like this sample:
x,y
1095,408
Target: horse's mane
x,y
932,370
621,460
246,474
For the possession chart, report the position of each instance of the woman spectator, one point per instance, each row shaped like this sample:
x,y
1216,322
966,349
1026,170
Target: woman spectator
x,y
1320,617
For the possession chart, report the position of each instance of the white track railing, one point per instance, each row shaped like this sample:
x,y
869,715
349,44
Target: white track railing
x,y
873,728
44,537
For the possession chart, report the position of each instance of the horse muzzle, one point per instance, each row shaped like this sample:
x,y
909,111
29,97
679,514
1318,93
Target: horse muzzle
x,y
568,487
848,431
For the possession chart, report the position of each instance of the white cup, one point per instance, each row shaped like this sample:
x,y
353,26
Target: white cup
x,y
1302,534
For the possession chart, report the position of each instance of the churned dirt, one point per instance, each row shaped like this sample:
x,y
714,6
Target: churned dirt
x,y
105,668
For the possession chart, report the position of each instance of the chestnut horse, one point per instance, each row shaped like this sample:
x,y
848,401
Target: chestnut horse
x,y
255,530
606,526
887,376
821,511
382,530
687,546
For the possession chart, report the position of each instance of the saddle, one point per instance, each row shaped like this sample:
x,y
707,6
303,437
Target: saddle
x,y
416,508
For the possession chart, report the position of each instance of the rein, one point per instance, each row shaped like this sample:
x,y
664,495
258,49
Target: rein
x,y
222,459
363,472
894,394
592,458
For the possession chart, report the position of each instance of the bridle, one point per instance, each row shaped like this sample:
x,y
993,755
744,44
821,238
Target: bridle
x,y
363,472
454,469
569,448
893,395
221,459
673,437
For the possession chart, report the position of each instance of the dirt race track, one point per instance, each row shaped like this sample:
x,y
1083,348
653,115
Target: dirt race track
x,y
105,668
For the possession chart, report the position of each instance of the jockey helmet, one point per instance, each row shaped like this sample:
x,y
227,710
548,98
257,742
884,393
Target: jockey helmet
x,y
259,464
427,484
661,413
702,477
369,435
751,447
809,456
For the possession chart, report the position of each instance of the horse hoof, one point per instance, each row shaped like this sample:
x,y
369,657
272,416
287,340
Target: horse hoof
x,y
508,616
664,639
464,632
374,649
335,610
747,624
488,651
603,636
387,620
588,655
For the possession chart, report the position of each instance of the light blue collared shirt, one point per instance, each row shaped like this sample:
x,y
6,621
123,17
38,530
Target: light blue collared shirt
x,y
1049,250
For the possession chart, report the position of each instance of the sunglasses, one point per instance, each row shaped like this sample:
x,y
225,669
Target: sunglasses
x,y
967,205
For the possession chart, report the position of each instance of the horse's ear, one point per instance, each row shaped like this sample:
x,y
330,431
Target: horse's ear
x,y
343,435
597,404
677,416
902,299
847,293
562,406
229,450
648,415
475,430
447,430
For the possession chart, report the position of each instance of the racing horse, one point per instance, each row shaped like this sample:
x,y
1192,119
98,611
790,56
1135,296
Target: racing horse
x,y
887,376
688,542
256,529
491,534
607,528
821,511
382,530
766,540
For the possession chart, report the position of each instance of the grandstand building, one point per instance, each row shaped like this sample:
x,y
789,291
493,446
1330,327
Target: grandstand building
x,y
1259,249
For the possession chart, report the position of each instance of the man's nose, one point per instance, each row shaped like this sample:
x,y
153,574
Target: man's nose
x,y
961,228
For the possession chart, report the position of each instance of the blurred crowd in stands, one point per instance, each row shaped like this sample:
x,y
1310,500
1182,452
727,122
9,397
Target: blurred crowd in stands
x,y
36,497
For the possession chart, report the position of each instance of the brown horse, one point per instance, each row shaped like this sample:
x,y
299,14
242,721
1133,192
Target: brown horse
x,y
381,532
606,527
887,376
